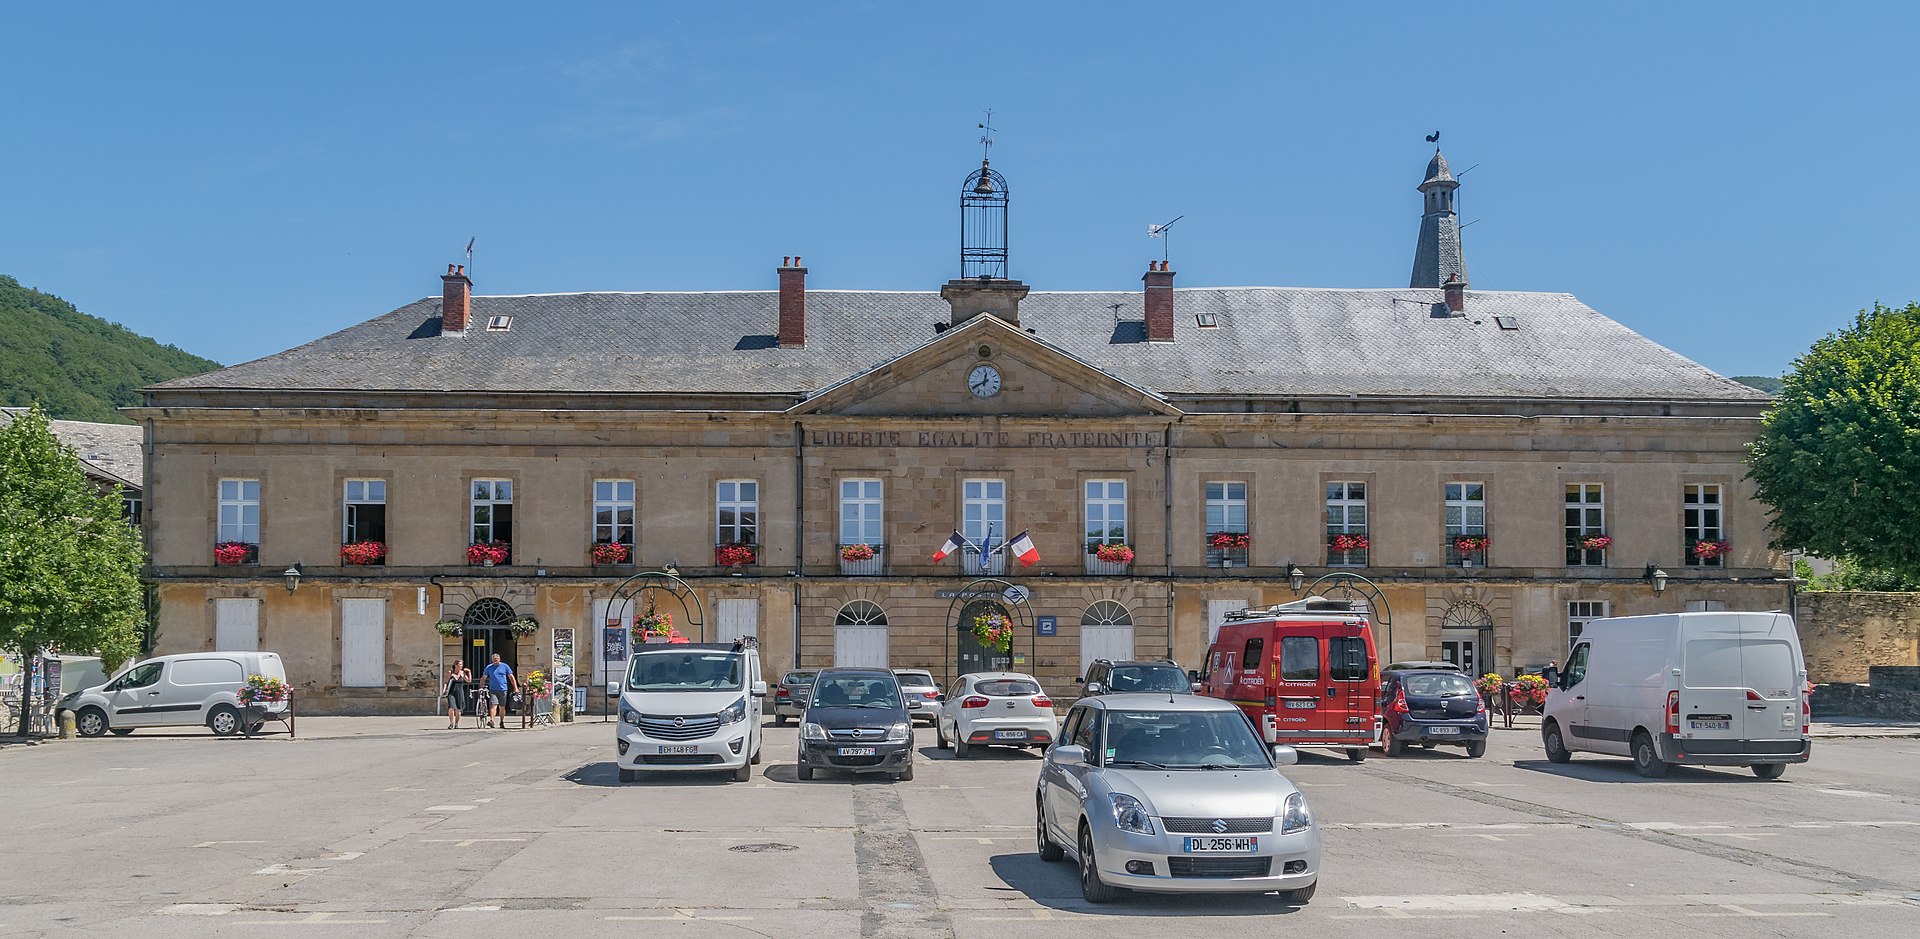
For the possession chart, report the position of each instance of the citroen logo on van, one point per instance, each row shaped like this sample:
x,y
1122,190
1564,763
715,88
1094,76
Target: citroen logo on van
x,y
1219,826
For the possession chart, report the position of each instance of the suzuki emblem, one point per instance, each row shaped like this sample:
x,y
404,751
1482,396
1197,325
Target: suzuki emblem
x,y
1219,826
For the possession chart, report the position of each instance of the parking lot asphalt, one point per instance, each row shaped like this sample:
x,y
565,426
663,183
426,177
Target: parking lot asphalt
x,y
474,833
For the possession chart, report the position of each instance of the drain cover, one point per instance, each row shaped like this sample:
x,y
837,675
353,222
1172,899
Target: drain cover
x,y
763,847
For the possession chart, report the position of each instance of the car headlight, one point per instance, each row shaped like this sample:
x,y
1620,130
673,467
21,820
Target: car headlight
x,y
1130,815
900,733
1295,817
735,713
629,716
812,731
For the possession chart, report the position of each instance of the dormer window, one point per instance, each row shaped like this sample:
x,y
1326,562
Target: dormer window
x,y
1206,320
499,324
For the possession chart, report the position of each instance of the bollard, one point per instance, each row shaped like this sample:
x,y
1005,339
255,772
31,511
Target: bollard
x,y
66,725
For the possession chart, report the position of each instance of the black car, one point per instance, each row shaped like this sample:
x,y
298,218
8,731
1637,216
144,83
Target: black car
x,y
1431,707
857,721
1108,677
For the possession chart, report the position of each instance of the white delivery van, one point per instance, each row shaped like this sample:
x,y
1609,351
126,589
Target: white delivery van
x,y
691,706
175,691
1702,689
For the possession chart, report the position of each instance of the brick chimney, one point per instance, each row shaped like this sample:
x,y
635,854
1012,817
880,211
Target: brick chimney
x,y
1456,294
1159,283
456,300
793,302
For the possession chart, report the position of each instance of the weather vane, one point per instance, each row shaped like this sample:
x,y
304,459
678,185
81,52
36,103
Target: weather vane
x,y
1160,231
986,139
1433,137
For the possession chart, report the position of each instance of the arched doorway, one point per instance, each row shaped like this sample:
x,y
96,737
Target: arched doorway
x,y
1466,637
484,634
974,657
860,635
1106,632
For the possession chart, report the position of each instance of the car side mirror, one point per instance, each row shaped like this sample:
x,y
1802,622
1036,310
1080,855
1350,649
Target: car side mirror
x,y
1093,687
1284,755
1193,675
1196,687
759,689
1070,754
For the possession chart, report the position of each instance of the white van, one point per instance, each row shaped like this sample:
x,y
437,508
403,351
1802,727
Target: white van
x,y
691,706
175,691
1702,689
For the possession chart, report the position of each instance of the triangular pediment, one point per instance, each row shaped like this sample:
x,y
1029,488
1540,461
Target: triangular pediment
x,y
949,375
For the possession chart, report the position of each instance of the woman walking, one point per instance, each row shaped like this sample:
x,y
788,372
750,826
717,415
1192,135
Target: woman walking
x,y
458,678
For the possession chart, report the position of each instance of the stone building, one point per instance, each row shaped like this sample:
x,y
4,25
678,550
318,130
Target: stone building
x,y
1242,443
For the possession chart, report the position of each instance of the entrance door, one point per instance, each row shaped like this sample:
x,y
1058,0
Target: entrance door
x,y
1462,648
482,643
973,656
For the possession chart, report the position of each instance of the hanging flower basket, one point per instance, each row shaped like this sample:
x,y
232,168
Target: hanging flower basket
x,y
1488,684
611,552
733,555
488,553
993,632
235,552
856,552
1527,689
523,627
1596,542
260,689
1114,553
1706,550
1467,544
1229,541
653,623
449,628
363,552
1348,542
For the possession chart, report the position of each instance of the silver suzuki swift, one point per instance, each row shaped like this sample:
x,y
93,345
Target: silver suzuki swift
x,y
1174,794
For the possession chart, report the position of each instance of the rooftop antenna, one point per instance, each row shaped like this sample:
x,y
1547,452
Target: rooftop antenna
x,y
1160,231
470,258
986,139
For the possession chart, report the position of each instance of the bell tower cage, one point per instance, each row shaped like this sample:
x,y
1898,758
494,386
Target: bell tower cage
x,y
983,224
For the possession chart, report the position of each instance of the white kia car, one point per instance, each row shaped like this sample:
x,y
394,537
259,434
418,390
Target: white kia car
x,y
995,709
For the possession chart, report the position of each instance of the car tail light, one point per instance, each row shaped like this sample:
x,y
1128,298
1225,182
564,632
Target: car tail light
x,y
1042,701
1400,701
1673,712
1753,695
973,701
782,693
1480,705
929,695
1806,710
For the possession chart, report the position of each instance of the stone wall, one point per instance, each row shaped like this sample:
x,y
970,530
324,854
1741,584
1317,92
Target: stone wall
x,y
1893,693
1844,633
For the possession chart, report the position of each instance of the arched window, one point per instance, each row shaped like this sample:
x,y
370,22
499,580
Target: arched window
x,y
860,635
1106,632
488,611
861,613
1106,613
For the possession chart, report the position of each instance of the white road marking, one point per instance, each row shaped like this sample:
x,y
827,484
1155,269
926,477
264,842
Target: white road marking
x,y
209,844
474,764
313,919
1037,913
198,909
1856,792
1743,911
1462,903
402,789
1743,836
978,840
343,856
680,916
464,842
1487,837
1488,785
472,909
448,808
284,870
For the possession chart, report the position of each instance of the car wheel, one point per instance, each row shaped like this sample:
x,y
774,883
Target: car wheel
x,y
1396,747
121,731
905,775
803,771
960,747
744,772
1357,754
92,722
629,775
755,760
1091,886
1646,760
1557,751
940,733
223,721
1049,852
1476,749
1769,770
1299,897
1426,744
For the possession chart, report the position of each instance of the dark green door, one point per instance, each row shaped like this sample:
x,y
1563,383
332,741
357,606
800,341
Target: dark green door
x,y
973,656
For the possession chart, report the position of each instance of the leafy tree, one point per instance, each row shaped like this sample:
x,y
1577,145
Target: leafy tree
x,y
69,562
1847,574
1838,458
1766,383
77,367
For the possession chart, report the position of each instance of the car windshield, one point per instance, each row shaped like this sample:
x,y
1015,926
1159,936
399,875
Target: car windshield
x,y
850,692
1434,686
1183,740
684,671
798,678
1007,687
1148,678
917,679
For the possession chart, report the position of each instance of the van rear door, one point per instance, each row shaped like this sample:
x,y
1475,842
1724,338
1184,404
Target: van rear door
x,y
1300,701
1770,667
1351,698
1713,692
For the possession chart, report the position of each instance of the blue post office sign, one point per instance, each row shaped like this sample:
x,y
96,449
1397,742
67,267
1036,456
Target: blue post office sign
x,y
1047,625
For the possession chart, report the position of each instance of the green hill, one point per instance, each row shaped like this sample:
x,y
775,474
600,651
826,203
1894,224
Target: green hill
x,y
77,367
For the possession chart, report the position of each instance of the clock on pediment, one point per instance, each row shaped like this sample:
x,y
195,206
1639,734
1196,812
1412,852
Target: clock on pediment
x,y
984,381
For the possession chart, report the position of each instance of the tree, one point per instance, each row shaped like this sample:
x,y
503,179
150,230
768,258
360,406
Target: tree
x,y
1838,458
69,562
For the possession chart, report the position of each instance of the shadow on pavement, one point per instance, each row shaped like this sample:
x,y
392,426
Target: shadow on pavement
x,y
984,754
606,775
789,773
1621,771
1057,886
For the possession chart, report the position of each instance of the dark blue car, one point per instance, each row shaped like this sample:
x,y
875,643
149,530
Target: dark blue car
x,y
1430,707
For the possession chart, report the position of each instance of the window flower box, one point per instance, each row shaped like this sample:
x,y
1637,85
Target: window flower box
x,y
860,559
1347,542
1347,548
1108,559
1228,548
1596,542
363,553
733,555
488,553
1709,550
607,553
236,552
1469,550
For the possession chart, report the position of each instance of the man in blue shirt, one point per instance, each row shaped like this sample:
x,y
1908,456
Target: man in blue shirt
x,y
500,680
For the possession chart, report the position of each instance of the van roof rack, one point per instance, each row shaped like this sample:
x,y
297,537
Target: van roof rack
x,y
1308,605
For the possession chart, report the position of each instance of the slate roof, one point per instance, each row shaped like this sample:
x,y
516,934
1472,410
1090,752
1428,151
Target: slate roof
x,y
107,451
1437,171
1278,341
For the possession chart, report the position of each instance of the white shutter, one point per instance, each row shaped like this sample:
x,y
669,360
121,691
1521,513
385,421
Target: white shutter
x,y
864,646
1105,642
1217,611
363,643
738,618
236,625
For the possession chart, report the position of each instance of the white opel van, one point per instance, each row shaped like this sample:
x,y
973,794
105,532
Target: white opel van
x,y
691,706
1702,689
175,691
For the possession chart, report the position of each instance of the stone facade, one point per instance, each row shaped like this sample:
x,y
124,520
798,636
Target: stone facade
x,y
1845,633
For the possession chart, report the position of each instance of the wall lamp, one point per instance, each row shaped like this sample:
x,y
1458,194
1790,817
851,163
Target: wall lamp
x,y
1296,578
1656,577
292,575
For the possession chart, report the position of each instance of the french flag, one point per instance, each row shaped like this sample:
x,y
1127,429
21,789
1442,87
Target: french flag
x,y
953,544
1022,547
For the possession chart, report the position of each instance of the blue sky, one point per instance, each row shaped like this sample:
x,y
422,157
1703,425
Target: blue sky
x,y
1733,182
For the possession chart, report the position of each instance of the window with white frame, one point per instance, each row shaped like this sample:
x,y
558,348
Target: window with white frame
x,y
240,511
1466,518
860,508
492,512
1106,508
983,510
613,512
1586,521
1347,541
363,515
1226,523
1579,614
1701,522
737,502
